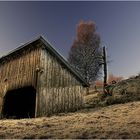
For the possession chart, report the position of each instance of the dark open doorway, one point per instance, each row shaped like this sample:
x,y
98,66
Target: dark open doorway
x,y
20,103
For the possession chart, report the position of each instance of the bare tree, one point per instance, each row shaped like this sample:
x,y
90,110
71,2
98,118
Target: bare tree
x,y
86,54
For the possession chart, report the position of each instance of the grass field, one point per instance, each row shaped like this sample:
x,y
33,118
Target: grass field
x,y
116,121
111,117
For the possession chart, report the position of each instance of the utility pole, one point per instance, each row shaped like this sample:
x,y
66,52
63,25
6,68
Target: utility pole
x,y
105,68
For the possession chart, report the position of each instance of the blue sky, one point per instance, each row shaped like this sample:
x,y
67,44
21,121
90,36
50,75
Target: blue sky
x,y
118,24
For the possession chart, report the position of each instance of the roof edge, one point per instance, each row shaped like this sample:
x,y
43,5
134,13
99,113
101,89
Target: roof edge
x,y
51,48
21,46
48,44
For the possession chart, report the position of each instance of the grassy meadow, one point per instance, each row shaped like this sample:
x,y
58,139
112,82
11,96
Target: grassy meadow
x,y
113,117
116,121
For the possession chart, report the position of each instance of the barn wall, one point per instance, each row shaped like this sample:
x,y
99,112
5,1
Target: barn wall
x,y
59,89
19,71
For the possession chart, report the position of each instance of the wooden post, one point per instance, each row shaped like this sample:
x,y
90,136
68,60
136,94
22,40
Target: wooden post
x,y
37,92
105,68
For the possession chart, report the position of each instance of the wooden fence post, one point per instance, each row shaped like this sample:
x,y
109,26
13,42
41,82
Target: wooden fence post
x,y
105,68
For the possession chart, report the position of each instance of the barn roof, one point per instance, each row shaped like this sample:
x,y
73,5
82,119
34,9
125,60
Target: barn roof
x,y
49,47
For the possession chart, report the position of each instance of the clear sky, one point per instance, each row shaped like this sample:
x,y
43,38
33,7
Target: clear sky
x,y
118,24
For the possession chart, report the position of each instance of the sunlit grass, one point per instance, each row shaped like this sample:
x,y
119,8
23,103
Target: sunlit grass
x,y
117,121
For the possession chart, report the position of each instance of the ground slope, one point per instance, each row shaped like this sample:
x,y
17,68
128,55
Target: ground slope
x,y
116,121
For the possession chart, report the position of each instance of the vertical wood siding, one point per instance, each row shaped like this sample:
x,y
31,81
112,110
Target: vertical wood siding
x,y
19,71
59,89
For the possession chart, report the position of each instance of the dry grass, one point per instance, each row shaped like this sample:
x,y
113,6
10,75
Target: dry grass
x,y
95,121
117,121
92,100
124,91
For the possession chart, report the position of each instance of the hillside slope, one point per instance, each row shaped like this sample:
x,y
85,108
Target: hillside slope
x,y
124,91
116,121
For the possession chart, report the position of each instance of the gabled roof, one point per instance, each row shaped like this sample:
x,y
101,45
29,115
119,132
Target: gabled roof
x,y
49,47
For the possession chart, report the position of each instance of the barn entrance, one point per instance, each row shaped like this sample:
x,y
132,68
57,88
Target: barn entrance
x,y
20,103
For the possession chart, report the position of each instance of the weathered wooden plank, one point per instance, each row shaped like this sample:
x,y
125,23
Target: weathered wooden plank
x,y
18,70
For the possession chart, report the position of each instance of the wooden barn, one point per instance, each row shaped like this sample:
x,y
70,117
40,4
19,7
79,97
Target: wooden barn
x,y
35,80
